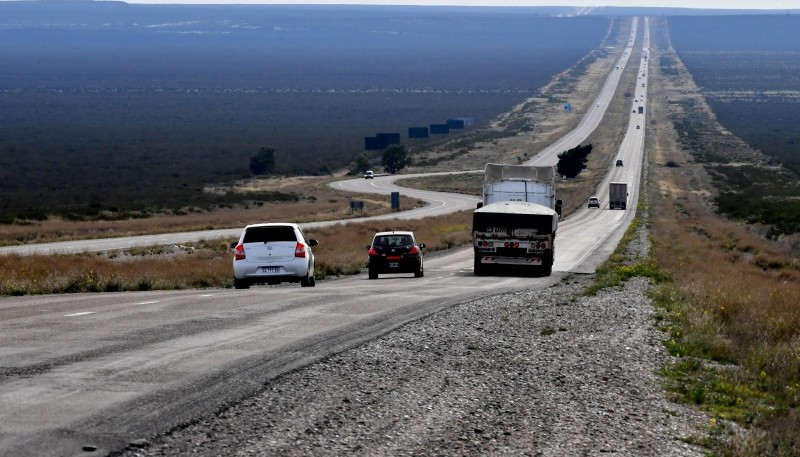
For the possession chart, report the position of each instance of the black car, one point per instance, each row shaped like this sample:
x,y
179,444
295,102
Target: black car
x,y
395,252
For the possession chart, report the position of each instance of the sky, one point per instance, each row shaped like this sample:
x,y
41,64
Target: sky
x,y
713,4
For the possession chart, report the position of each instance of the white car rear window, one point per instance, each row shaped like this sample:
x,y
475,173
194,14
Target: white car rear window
x,y
268,234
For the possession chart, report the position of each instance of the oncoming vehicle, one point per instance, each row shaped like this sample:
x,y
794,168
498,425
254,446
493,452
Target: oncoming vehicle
x,y
395,252
273,253
369,174
594,202
619,162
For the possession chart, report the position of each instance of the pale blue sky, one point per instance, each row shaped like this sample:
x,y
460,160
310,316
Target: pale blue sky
x,y
716,4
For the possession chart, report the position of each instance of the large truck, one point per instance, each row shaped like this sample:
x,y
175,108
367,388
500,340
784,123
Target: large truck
x,y
515,225
520,183
617,195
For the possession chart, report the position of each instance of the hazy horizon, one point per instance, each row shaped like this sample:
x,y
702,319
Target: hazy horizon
x,y
705,4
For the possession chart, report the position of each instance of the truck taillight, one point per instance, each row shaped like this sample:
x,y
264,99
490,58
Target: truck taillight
x,y
239,254
300,250
511,244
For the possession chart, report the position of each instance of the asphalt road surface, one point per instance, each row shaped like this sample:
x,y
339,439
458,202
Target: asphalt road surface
x,y
89,373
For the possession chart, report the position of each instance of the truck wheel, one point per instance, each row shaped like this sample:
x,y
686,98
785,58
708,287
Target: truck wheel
x,y
547,264
480,269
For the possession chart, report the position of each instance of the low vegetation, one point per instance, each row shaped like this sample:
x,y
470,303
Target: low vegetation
x,y
207,264
573,161
752,87
728,298
731,312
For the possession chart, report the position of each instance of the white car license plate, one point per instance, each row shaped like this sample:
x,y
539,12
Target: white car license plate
x,y
394,264
270,269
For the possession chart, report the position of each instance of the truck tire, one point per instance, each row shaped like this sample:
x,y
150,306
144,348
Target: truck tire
x,y
547,263
480,269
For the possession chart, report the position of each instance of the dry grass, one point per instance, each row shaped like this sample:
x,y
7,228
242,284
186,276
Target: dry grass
x,y
733,303
141,269
341,252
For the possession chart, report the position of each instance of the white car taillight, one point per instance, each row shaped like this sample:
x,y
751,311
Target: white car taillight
x,y
239,255
300,250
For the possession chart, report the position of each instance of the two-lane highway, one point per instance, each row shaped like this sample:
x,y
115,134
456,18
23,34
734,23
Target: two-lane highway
x,y
91,372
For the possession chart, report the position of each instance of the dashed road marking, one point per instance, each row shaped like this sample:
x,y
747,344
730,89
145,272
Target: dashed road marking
x,y
84,313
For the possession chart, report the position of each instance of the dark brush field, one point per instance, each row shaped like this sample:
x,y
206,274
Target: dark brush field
x,y
748,68
111,108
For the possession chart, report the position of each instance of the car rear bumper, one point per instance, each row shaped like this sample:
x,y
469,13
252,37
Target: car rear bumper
x,y
394,266
253,272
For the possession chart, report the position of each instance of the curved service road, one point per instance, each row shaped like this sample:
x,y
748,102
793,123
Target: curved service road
x,y
89,373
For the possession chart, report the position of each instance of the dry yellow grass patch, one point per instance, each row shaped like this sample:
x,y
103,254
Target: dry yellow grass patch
x,y
734,296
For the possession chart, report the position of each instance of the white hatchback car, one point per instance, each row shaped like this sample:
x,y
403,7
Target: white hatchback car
x,y
273,253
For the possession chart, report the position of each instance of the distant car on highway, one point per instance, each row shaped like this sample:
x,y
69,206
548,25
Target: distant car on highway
x,y
273,253
395,252
638,127
594,202
369,175
619,162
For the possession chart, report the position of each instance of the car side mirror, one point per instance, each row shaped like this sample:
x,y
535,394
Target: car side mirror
x,y
422,245
234,244
313,243
369,246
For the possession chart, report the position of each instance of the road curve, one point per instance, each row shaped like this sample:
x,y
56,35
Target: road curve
x,y
92,372
438,202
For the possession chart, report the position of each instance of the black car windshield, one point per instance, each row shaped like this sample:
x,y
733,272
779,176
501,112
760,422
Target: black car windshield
x,y
393,240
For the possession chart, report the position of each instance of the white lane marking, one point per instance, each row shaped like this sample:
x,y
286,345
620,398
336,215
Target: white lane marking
x,y
84,313
151,302
207,295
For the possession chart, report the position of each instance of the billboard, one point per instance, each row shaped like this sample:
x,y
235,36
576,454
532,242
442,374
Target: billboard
x,y
380,141
418,132
439,129
371,143
455,124
387,139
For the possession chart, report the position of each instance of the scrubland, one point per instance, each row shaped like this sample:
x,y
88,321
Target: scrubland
x,y
729,297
